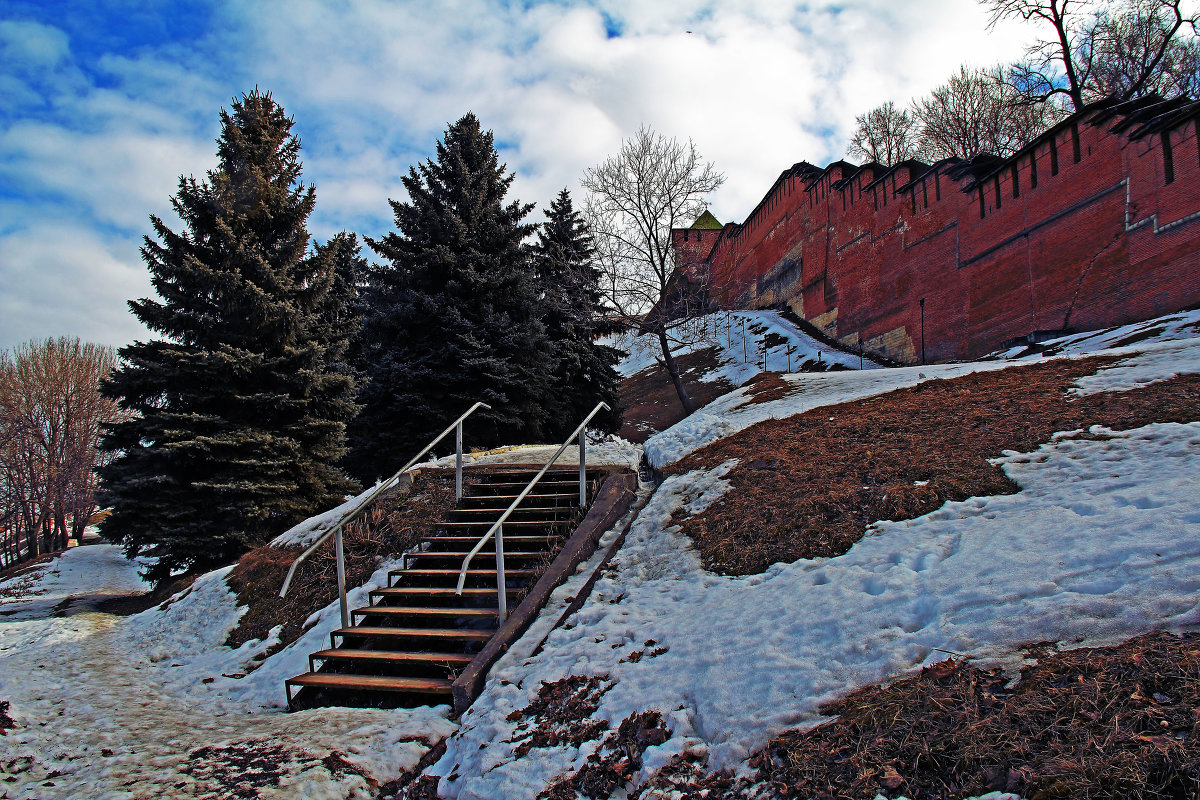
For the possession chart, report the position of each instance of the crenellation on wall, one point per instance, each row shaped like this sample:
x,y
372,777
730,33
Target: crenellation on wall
x,y
998,249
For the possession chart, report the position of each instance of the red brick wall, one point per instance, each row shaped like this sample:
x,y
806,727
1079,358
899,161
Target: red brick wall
x,y
1105,241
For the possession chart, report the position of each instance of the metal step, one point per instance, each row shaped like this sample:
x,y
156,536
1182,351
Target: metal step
x,y
548,496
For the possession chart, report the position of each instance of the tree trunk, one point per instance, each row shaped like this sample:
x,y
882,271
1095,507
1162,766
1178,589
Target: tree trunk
x,y
673,371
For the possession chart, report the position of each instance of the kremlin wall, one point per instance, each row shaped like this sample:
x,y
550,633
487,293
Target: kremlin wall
x,y
1096,223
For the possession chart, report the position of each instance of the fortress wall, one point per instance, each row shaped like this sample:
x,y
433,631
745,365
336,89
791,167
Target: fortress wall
x,y
1081,230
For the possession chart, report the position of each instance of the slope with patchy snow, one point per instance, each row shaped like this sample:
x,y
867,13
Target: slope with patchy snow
x,y
1103,542
745,343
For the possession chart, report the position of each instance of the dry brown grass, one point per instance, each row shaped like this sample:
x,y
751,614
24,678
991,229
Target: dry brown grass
x,y
561,714
649,398
809,485
614,763
1087,724
394,524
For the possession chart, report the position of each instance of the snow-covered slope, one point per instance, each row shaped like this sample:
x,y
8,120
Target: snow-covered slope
x,y
1098,546
745,343
1103,542
1165,348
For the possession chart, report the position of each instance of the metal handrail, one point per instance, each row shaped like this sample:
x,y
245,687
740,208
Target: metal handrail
x,y
354,513
497,528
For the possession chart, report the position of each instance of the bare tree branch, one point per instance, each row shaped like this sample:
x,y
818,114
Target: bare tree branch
x,y
886,135
635,198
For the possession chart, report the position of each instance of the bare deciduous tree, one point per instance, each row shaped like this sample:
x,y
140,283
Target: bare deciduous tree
x,y
51,418
1094,49
975,112
635,198
1149,47
886,135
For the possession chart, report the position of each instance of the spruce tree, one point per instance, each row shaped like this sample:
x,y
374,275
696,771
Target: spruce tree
x,y
583,371
452,316
238,419
341,260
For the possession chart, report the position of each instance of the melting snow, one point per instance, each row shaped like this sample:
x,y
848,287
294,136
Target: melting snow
x,y
1102,543
746,343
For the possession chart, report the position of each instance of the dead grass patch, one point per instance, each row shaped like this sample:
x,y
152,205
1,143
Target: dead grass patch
x,y
23,570
686,777
6,722
394,524
242,769
561,714
808,486
1092,723
649,398
615,762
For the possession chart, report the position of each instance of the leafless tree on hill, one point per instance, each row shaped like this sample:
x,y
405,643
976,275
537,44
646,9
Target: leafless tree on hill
x,y
635,197
51,418
886,135
1093,49
976,112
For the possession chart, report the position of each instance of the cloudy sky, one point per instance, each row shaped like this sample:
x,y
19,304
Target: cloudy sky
x,y
104,104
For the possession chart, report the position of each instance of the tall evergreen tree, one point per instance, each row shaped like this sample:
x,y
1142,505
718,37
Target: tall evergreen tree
x,y
583,369
452,317
341,260
238,419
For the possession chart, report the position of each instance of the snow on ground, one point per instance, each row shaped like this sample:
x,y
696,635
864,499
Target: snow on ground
x,y
740,338
302,534
1183,325
1150,363
101,568
737,410
133,697
1155,358
1102,543
611,451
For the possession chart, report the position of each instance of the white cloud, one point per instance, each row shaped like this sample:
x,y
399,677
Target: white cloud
x,y
29,44
757,84
58,278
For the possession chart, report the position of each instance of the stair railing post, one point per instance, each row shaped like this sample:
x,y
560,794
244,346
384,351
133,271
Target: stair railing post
x,y
458,461
341,576
582,469
501,590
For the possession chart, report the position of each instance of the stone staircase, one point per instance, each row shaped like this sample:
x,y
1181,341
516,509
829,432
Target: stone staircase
x,y
417,635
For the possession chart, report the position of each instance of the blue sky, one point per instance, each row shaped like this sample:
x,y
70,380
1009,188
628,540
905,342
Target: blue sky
x,y
105,104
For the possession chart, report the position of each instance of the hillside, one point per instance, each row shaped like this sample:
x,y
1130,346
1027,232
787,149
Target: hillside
x,y
781,608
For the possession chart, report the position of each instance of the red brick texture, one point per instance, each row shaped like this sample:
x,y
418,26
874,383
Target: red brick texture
x,y
1092,225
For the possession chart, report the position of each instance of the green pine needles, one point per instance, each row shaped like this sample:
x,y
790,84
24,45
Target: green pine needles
x,y
240,408
453,316
582,369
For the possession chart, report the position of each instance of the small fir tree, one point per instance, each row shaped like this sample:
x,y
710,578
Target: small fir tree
x,y
237,417
583,371
452,317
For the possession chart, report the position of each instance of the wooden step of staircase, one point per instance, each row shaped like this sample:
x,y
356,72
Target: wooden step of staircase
x,y
406,647
388,657
426,612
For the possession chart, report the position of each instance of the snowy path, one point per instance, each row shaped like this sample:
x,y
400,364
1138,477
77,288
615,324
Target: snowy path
x,y
99,719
